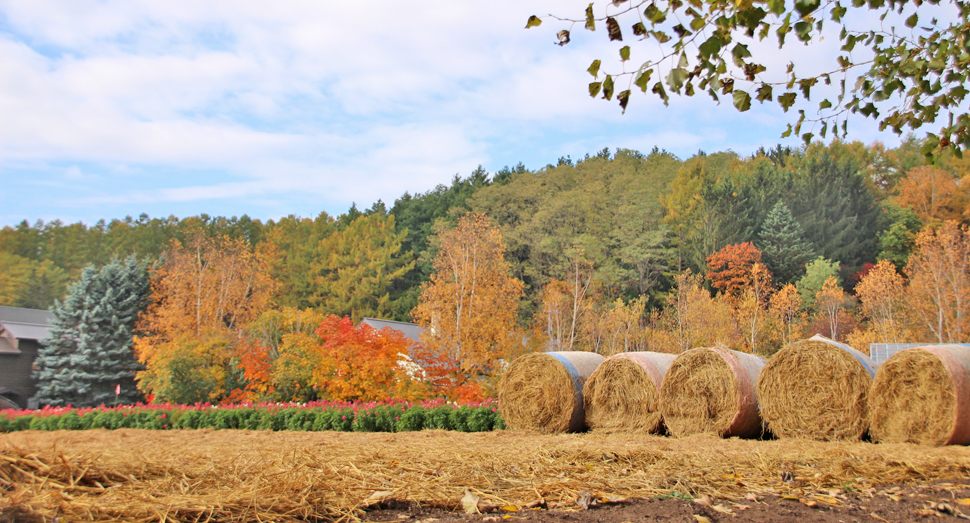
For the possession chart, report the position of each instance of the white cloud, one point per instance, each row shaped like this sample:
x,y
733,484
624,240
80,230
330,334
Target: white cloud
x,y
134,104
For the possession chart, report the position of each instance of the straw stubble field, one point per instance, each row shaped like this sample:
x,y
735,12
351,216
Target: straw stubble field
x,y
204,475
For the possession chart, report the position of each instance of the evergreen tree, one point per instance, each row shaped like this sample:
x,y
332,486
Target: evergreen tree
x,y
783,246
89,353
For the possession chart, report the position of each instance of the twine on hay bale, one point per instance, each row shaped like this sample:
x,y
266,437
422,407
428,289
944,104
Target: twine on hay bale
x,y
922,395
544,391
624,392
817,389
712,390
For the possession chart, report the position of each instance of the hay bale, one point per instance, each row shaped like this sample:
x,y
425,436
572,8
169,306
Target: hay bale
x,y
623,394
712,390
543,391
817,389
922,395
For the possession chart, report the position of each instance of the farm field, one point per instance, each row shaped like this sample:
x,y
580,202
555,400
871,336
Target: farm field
x,y
234,475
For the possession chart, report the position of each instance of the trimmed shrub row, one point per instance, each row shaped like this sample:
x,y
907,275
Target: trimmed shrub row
x,y
393,417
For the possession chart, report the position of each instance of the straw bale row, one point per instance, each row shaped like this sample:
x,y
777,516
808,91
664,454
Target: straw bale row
x,y
816,389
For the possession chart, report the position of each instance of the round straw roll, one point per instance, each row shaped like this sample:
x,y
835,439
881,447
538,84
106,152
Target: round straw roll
x,y
623,394
544,391
817,390
712,390
922,395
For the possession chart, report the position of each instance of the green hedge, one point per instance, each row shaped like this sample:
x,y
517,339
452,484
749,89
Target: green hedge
x,y
399,417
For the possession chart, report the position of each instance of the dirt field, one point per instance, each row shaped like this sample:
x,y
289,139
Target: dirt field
x,y
136,475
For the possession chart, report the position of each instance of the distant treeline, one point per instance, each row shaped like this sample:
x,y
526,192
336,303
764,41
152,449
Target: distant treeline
x,y
637,219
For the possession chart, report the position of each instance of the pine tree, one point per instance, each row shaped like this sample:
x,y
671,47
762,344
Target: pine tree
x,y
783,246
89,354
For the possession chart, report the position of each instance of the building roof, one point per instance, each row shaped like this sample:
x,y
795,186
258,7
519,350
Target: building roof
x,y
22,324
410,330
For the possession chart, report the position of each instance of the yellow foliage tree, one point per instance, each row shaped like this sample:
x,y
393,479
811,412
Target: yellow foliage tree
x,y
939,283
881,292
786,308
470,306
203,295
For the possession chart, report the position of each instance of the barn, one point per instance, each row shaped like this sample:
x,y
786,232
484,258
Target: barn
x,y
21,331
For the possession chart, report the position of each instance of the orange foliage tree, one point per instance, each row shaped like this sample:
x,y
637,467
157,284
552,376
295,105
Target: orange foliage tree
x,y
470,306
278,355
203,294
729,269
939,282
363,364
933,193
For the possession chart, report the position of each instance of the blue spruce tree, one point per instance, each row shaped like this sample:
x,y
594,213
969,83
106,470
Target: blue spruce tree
x,y
89,354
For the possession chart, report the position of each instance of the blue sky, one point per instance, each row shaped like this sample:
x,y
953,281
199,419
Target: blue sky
x,y
114,108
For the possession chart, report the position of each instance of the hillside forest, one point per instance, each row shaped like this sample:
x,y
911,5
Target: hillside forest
x,y
616,251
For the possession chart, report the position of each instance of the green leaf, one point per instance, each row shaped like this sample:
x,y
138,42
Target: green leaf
x,y
661,36
807,138
786,100
608,87
838,12
742,101
642,79
639,29
656,16
613,28
710,47
825,128
590,19
594,88
825,104
658,88
912,21
805,7
697,23
740,52
764,93
534,21
676,78
787,132
624,98
625,53
594,68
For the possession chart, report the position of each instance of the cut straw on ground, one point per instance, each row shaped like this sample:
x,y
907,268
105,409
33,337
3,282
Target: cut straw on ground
x,y
139,475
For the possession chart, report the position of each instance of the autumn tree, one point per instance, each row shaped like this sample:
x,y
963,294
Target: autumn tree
x,y
939,282
278,356
786,306
204,293
881,292
829,302
752,305
612,328
933,193
730,269
470,306
693,318
355,268
363,364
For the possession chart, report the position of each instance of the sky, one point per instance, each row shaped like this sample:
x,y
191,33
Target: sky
x,y
114,108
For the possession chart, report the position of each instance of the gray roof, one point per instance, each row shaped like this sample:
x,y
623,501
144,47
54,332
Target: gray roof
x,y
410,330
25,324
